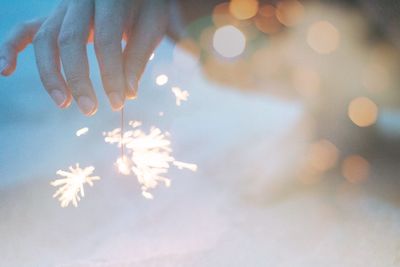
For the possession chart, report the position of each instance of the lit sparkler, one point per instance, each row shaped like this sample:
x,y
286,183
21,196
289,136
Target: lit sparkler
x,y
72,184
180,95
148,156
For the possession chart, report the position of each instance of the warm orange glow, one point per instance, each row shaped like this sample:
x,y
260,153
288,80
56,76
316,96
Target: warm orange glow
x,y
323,37
355,169
363,111
323,155
221,15
306,81
229,41
243,9
289,12
266,20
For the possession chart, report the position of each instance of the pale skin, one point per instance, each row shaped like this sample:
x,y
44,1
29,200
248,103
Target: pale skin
x,y
61,39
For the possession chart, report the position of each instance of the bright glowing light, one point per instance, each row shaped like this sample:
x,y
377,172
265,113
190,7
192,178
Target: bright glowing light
x,y
180,95
323,155
151,57
323,37
124,165
363,111
355,169
72,184
82,131
149,156
289,12
229,41
161,79
243,9
160,113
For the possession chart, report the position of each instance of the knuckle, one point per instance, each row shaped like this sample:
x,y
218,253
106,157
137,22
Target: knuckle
x,y
104,40
44,35
75,80
68,37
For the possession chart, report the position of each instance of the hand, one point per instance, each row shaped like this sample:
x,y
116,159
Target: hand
x,y
62,37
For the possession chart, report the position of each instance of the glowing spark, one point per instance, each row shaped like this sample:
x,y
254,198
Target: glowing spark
x,y
161,79
82,131
180,95
184,165
151,57
160,113
148,156
124,165
72,184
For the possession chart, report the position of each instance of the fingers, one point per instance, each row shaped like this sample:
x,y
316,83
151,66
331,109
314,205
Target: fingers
x,y
146,35
108,33
72,41
19,38
48,59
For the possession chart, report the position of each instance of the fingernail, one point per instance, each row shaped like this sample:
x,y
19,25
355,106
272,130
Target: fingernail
x,y
3,64
116,100
132,90
86,105
58,97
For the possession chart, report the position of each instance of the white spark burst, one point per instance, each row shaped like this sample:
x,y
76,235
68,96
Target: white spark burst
x,y
180,95
148,156
82,131
72,184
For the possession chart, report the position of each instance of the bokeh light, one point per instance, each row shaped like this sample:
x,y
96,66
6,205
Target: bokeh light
x,y
243,9
266,20
363,111
323,37
323,155
289,12
229,41
355,169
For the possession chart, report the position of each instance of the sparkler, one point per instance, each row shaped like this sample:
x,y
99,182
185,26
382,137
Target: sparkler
x,y
148,156
72,184
180,95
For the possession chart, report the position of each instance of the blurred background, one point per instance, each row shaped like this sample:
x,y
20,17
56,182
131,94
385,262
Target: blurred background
x,y
292,118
